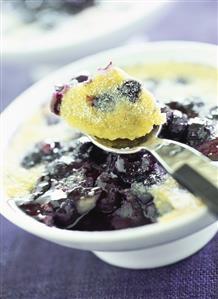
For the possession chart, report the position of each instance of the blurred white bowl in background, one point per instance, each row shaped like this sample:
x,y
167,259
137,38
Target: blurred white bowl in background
x,y
103,26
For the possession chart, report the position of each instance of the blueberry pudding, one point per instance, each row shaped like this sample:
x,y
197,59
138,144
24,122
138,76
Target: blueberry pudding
x,y
57,176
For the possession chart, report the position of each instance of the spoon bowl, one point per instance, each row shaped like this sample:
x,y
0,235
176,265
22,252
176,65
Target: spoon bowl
x,y
126,146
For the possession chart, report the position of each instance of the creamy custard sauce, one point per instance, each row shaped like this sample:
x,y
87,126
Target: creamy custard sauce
x,y
176,81
168,82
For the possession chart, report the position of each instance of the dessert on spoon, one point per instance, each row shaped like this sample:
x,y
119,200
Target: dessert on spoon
x,y
109,105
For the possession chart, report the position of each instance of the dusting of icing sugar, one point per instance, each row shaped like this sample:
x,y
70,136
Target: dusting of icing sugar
x,y
120,165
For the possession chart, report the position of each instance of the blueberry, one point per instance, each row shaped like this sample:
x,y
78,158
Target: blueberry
x,y
210,149
43,151
66,214
150,211
56,101
130,213
107,181
104,102
109,201
81,78
97,155
176,126
32,209
130,168
58,169
192,106
31,159
155,176
198,131
93,221
130,89
140,191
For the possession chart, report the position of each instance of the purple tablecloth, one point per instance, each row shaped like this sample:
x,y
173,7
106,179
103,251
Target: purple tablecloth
x,y
32,268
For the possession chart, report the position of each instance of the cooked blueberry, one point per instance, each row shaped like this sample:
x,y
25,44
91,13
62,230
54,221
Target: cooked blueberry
x,y
210,149
43,151
145,200
104,102
143,197
107,181
178,125
32,209
66,214
175,127
130,213
155,176
198,131
190,106
56,103
47,208
97,155
133,167
31,159
130,89
94,221
81,78
109,201
150,211
58,169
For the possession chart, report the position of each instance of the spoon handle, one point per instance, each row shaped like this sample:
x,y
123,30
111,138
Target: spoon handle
x,y
190,168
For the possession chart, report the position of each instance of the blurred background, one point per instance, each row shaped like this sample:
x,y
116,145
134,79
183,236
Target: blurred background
x,y
40,36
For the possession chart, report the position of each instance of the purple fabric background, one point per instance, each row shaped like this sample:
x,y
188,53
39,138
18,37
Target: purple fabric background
x,y
32,268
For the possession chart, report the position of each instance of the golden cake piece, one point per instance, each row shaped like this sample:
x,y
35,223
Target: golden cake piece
x,y
110,105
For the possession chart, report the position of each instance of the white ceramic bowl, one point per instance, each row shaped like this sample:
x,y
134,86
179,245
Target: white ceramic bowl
x,y
85,33
148,246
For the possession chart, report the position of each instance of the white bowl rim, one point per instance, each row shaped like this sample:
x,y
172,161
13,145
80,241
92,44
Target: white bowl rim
x,y
199,219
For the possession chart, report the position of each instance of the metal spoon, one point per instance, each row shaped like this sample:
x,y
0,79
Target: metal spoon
x,y
189,167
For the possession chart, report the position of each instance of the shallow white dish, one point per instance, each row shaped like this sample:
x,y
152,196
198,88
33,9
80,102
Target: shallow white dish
x,y
105,25
148,246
